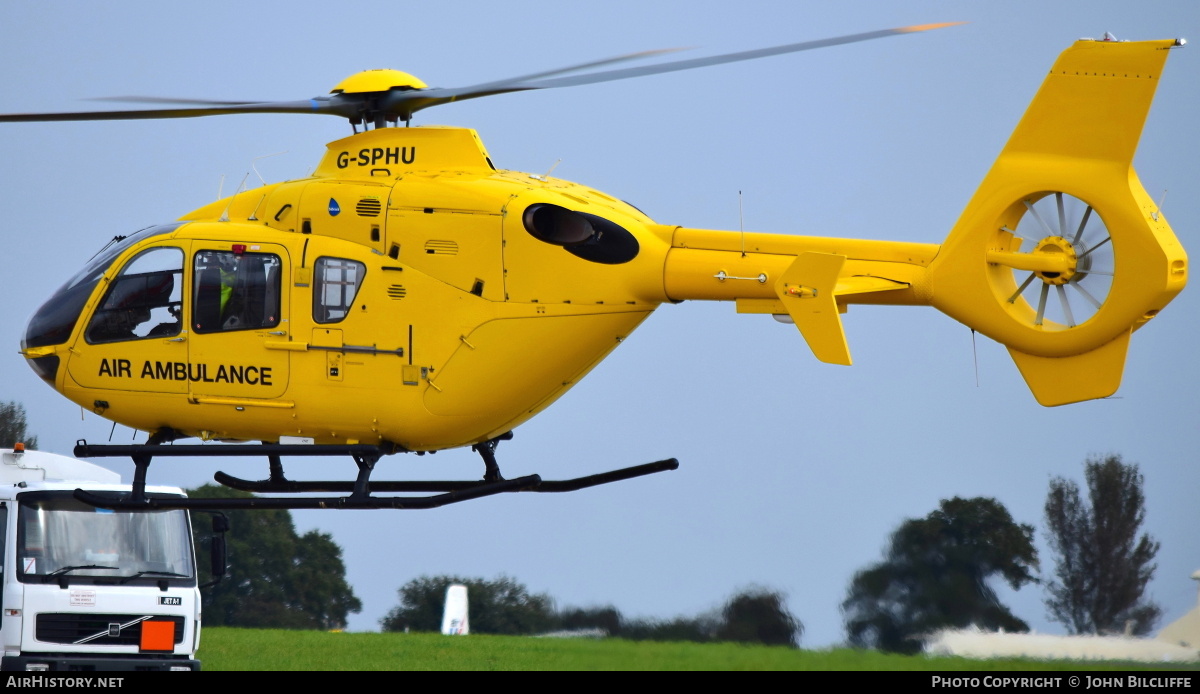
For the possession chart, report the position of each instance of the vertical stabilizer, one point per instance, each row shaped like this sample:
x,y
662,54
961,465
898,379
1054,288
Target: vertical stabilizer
x,y
1061,254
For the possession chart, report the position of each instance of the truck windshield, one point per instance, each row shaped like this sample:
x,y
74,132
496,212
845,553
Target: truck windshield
x,y
60,536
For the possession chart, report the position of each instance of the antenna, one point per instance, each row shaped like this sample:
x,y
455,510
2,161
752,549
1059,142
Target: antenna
x,y
254,213
255,168
221,187
225,214
741,224
551,169
975,354
1158,208
253,165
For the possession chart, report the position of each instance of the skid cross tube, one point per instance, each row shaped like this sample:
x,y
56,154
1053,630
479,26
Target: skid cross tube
x,y
359,491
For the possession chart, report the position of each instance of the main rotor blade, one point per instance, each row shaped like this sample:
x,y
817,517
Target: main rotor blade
x,y
431,97
401,105
169,100
536,75
320,105
575,68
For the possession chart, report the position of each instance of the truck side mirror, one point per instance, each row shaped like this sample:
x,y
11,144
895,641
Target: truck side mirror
x,y
218,565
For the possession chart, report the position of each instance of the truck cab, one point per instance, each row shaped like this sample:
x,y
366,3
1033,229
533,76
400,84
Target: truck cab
x,y
87,588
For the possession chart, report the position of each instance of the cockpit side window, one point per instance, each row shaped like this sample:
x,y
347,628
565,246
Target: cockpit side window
x,y
144,301
235,291
337,281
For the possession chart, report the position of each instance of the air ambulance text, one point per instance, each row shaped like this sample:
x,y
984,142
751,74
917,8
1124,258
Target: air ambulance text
x,y
181,371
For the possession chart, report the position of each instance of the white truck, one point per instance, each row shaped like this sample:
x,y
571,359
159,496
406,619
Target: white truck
x,y
86,588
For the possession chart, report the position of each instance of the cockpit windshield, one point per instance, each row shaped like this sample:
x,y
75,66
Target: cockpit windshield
x,y
53,323
59,536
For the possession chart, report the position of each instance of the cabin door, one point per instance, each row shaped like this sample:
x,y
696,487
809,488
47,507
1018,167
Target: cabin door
x,y
135,338
238,318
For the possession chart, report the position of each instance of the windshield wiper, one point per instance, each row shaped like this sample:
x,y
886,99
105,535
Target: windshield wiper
x,y
69,569
171,574
61,574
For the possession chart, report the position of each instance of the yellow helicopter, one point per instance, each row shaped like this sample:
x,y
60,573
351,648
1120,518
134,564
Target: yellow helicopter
x,y
411,296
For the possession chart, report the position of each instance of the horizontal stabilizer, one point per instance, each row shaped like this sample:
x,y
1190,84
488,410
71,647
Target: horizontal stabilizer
x,y
806,289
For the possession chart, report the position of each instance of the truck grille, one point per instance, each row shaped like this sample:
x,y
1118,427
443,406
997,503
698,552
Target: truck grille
x,y
98,629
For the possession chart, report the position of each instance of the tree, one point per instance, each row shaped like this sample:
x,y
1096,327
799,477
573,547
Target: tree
x,y
936,574
276,579
758,615
501,606
607,618
1101,566
700,629
505,606
753,615
12,426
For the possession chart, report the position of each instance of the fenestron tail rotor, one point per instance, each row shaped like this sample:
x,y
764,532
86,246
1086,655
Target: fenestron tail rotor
x,y
1063,268
388,96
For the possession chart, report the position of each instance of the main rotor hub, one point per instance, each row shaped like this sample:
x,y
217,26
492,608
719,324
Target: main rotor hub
x,y
1060,245
377,81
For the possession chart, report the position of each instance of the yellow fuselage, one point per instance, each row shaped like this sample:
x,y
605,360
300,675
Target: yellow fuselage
x,y
465,325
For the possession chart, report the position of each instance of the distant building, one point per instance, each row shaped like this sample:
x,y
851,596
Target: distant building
x,y
1177,642
1184,631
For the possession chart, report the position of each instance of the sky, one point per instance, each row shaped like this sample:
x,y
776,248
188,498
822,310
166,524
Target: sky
x,y
793,473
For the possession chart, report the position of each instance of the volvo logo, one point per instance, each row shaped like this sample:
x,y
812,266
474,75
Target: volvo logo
x,y
113,630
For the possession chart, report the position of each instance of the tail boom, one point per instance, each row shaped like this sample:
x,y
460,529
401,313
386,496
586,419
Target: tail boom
x,y
1062,289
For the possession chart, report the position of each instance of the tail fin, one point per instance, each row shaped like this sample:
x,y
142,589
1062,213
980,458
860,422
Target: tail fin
x,y
1061,254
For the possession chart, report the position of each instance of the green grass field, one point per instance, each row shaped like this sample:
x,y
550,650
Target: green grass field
x,y
273,649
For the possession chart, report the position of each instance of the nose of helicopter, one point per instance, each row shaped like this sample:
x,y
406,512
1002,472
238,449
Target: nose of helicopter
x,y
50,326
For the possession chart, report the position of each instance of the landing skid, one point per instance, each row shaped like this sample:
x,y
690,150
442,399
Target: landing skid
x,y
359,492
